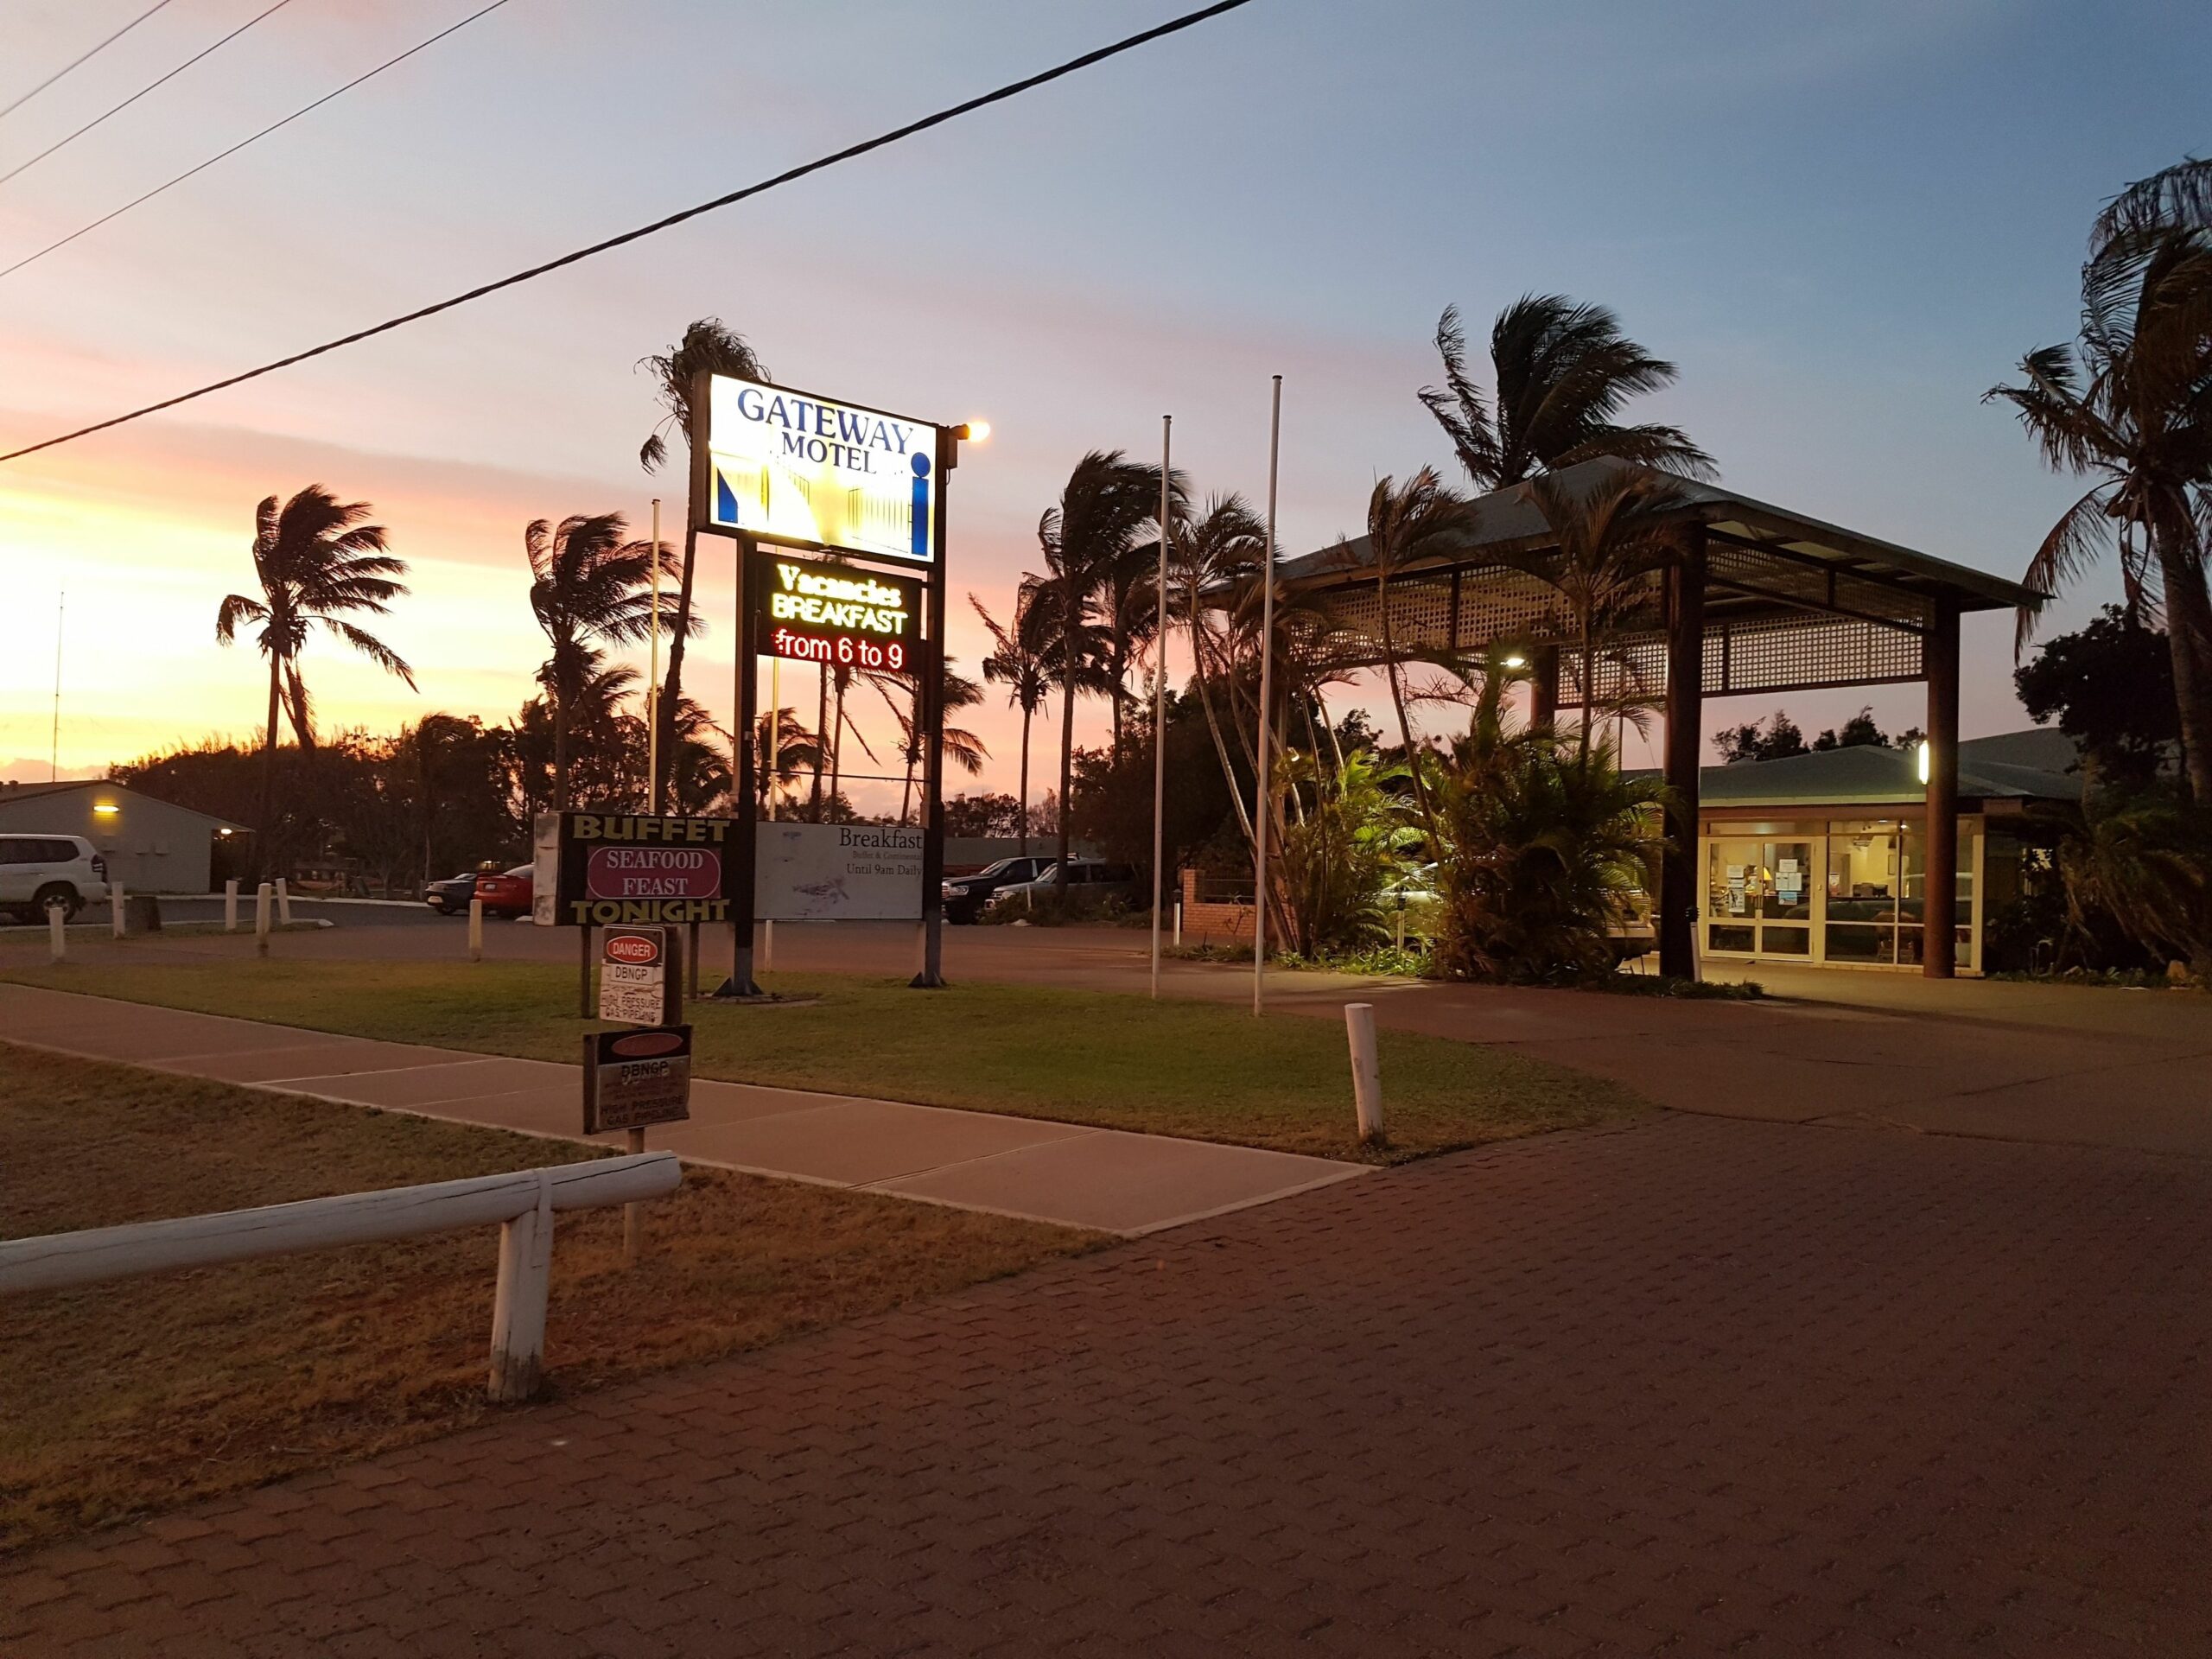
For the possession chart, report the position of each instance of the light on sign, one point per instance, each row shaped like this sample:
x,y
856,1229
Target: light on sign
x,y
787,467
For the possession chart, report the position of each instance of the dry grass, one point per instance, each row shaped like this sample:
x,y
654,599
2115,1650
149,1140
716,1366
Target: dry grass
x,y
120,1400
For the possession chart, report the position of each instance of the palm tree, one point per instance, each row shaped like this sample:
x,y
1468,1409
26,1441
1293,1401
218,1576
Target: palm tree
x,y
1607,549
797,750
1405,524
2130,405
1218,556
963,747
1017,663
698,771
1128,600
1108,499
1561,371
587,586
316,560
710,344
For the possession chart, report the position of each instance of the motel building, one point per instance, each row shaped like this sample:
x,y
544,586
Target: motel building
x,y
1834,859
1822,860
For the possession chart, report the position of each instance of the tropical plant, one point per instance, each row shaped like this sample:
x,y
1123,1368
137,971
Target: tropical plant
x,y
1406,524
1104,507
795,751
963,747
2129,404
1549,842
316,562
1562,370
1606,546
697,770
1016,663
1217,559
712,346
1346,850
587,587
2143,859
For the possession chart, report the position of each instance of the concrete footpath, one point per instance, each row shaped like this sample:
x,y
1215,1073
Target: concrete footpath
x,y
1108,1179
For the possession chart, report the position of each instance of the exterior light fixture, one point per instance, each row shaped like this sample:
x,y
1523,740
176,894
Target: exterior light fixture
x,y
105,809
973,431
1516,661
222,832
1926,763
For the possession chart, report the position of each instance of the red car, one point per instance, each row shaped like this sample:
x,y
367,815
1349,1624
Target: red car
x,y
505,895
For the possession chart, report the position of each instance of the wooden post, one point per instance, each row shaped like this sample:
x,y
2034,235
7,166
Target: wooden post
x,y
633,1215
261,894
1678,876
1366,1070
768,946
476,929
583,972
1544,685
1940,891
230,905
691,963
283,904
115,902
519,1305
1179,921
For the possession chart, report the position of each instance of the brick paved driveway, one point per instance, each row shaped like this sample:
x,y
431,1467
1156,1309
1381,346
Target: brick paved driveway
x,y
1697,1387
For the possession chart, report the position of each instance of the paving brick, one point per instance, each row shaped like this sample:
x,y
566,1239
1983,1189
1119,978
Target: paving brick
x,y
1697,1387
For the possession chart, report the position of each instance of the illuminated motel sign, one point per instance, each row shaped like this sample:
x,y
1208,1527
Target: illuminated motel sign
x,y
790,467
838,616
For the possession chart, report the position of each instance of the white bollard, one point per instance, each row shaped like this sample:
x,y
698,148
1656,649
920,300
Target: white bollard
x,y
230,905
115,908
476,929
1366,1070
1178,923
57,934
283,904
768,946
261,918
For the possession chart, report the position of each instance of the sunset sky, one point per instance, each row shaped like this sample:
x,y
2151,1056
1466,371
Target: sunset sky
x,y
1845,222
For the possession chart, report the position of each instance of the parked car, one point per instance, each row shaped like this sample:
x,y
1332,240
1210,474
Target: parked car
x,y
1089,880
450,897
966,895
505,895
36,871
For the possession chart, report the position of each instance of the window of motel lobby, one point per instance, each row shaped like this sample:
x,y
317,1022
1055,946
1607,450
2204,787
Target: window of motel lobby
x,y
1833,891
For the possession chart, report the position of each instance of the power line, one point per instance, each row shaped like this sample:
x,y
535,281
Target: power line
x,y
255,138
118,109
1012,89
83,57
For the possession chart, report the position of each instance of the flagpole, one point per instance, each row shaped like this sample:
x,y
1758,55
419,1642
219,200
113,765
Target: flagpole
x,y
1160,712
1266,709
652,683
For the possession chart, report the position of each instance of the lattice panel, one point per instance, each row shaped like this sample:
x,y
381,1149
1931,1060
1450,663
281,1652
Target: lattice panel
x,y
1744,657
1774,576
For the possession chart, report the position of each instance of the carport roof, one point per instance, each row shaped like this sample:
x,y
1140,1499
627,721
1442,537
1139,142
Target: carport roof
x,y
12,793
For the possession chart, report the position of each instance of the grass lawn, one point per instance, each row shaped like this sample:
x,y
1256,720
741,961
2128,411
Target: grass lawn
x,y
122,1399
1119,1061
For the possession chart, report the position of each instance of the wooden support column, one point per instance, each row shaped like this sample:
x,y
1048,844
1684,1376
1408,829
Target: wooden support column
x,y
1679,886
1543,685
1940,662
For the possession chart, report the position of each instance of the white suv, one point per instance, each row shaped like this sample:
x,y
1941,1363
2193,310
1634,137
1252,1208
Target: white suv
x,y
36,871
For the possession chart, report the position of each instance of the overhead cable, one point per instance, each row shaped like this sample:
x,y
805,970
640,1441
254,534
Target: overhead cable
x,y
83,57
1010,89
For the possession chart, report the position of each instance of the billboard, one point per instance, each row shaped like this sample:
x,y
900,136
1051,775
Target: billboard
x,y
786,467
806,611
629,869
838,872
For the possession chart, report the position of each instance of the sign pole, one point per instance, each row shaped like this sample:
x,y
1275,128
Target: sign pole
x,y
1266,720
746,829
583,971
652,680
1160,711
929,695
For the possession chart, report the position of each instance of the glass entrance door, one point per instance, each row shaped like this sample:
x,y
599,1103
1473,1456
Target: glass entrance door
x,y
1760,896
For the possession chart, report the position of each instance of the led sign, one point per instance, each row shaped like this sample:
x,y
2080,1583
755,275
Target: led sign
x,y
809,611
